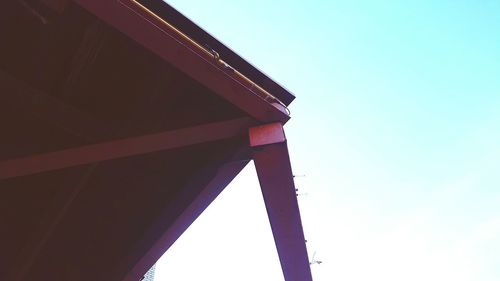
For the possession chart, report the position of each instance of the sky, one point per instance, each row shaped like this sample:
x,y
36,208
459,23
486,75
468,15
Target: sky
x,y
394,138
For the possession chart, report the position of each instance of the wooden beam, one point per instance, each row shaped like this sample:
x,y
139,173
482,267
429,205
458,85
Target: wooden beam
x,y
193,199
276,180
56,212
171,45
15,93
123,148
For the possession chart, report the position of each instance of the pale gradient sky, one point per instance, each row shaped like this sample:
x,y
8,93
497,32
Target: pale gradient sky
x,y
396,126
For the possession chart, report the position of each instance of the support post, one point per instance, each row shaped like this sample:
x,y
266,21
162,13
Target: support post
x,y
274,170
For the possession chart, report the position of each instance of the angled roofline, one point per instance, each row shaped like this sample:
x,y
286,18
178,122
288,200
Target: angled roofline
x,y
164,39
198,34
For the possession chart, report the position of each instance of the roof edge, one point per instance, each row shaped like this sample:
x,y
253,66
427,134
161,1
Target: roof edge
x,y
198,34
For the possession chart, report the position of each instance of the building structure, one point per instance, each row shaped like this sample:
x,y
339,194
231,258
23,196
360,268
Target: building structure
x,y
121,122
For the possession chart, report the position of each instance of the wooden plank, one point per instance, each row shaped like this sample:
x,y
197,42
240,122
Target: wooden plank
x,y
195,197
123,148
56,212
29,101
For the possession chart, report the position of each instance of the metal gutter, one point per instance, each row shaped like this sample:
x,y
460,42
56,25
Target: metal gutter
x,y
204,66
187,26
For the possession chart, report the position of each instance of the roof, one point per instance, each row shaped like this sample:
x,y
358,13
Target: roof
x,y
118,129
194,31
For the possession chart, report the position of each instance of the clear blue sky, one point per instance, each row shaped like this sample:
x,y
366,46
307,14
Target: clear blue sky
x,y
396,126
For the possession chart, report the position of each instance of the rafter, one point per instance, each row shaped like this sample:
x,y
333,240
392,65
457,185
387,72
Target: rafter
x,y
187,206
29,101
203,65
123,148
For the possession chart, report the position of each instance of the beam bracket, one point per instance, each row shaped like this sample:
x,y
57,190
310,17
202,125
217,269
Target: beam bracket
x,y
266,134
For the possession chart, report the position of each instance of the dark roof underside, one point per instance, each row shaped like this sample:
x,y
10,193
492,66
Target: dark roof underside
x,y
68,80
